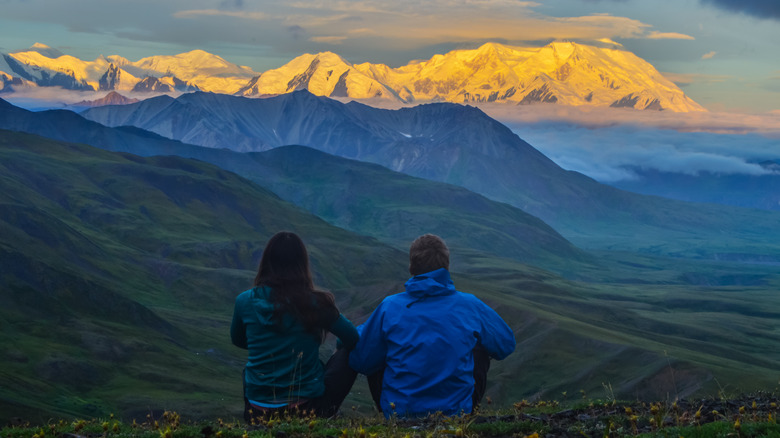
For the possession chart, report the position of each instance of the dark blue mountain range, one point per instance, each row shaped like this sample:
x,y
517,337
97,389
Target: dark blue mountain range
x,y
459,145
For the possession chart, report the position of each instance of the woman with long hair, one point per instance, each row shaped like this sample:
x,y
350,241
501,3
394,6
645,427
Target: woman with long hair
x,y
282,321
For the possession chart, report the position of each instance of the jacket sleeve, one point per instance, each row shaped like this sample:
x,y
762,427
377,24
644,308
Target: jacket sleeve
x,y
345,331
238,328
369,355
497,338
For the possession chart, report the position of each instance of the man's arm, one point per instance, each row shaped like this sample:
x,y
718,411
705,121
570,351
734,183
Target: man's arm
x,y
370,353
497,338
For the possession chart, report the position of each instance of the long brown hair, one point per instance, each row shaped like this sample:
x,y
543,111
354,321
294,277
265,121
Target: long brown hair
x,y
284,268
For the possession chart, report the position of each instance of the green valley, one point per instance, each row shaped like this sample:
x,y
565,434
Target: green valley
x,y
119,274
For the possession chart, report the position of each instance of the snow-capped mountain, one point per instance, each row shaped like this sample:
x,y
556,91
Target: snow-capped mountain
x,y
564,73
323,74
112,98
192,71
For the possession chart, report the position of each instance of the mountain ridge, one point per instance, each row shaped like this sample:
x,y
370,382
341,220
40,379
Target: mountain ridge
x,y
68,126
444,142
564,73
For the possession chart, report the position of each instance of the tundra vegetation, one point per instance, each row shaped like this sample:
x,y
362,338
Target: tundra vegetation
x,y
746,416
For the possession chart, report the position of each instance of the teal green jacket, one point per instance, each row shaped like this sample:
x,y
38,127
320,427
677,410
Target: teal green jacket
x,y
283,364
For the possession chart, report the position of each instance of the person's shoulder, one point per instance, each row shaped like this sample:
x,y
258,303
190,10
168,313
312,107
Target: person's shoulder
x,y
252,293
395,299
466,296
471,299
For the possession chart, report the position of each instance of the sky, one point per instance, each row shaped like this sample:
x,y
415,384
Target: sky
x,y
722,53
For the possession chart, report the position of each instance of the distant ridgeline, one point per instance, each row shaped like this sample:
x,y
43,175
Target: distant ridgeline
x,y
563,73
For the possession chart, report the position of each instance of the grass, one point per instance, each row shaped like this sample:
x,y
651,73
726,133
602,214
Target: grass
x,y
748,416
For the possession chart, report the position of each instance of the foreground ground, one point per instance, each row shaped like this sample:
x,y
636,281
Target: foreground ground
x,y
748,416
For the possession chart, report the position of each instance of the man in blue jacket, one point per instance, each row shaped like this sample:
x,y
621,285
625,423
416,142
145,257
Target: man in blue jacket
x,y
423,344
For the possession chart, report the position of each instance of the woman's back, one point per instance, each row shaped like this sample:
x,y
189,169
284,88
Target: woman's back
x,y
283,364
282,321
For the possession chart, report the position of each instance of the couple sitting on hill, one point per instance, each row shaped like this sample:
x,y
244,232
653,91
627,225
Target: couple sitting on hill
x,y
424,350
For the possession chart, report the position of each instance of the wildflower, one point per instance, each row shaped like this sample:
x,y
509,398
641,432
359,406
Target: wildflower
x,y
116,427
105,426
741,410
737,425
520,405
629,411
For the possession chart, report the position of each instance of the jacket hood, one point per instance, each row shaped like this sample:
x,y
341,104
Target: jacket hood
x,y
430,284
262,305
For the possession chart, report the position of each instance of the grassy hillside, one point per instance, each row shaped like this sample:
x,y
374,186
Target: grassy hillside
x,y
389,205
119,274
461,145
396,208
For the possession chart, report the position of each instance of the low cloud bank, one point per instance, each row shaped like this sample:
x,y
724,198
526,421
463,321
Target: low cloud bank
x,y
41,98
606,144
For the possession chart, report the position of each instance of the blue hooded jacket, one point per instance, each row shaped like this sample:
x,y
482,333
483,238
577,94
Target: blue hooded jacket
x,y
425,337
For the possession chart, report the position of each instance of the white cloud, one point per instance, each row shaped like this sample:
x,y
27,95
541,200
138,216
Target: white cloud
x,y
655,35
605,143
682,79
609,41
709,55
192,13
328,39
